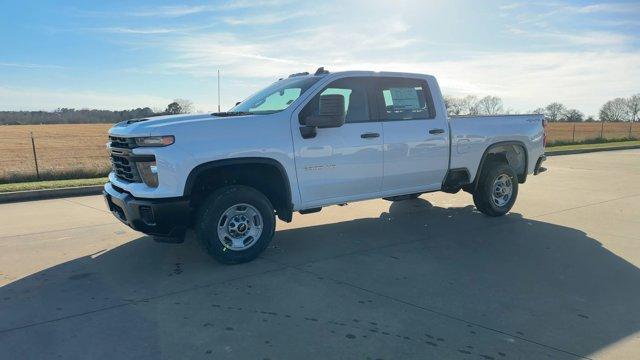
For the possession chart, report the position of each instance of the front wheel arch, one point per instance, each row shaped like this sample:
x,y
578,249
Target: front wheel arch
x,y
264,174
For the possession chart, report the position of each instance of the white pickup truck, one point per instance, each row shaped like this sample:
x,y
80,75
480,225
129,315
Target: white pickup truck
x,y
305,142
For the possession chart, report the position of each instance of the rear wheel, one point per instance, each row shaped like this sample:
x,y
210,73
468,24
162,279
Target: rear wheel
x,y
235,224
497,189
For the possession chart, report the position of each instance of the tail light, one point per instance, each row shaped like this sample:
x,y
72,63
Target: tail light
x,y
544,129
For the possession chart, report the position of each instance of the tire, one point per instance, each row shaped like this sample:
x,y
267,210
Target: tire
x,y
228,221
496,175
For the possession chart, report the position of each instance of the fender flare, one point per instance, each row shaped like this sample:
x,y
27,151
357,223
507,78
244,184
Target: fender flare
x,y
502,143
195,172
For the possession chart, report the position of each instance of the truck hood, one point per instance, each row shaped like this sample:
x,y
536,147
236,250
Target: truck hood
x,y
156,125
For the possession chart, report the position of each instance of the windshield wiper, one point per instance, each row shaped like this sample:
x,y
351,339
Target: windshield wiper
x,y
231,113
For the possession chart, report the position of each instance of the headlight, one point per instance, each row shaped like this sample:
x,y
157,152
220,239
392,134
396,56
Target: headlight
x,y
155,141
148,171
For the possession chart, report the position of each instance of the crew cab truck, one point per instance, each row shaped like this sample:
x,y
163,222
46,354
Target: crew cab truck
x,y
306,142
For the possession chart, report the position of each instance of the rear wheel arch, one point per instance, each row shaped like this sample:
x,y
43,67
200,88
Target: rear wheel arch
x,y
513,153
263,174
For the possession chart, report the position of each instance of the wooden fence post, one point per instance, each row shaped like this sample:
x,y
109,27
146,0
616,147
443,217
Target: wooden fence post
x,y
35,156
574,133
630,126
602,129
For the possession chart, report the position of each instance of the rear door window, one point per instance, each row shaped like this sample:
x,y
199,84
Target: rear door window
x,y
404,99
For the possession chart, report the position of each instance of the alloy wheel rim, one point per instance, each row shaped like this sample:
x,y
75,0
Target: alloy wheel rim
x,y
239,227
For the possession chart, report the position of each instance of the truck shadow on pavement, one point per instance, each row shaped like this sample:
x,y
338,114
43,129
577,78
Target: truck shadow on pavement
x,y
532,282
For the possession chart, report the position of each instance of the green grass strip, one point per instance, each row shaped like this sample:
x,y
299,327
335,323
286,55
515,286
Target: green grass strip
x,y
53,184
592,146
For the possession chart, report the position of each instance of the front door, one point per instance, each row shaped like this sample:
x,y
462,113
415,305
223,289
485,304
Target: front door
x,y
416,138
343,163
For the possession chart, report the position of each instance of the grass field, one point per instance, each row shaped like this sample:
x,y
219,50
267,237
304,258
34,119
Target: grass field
x,y
78,151
63,151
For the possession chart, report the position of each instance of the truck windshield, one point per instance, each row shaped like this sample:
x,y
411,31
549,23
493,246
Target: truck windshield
x,y
276,97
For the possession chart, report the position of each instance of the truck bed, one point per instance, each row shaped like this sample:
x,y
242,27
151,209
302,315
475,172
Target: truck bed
x,y
472,135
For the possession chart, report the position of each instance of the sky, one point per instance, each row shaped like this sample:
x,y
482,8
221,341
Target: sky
x,y
127,54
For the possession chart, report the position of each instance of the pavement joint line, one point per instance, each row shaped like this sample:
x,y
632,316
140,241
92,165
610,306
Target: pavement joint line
x,y
87,206
128,302
584,206
58,230
443,314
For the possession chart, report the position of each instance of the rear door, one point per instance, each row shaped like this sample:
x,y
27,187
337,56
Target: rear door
x,y
416,136
343,163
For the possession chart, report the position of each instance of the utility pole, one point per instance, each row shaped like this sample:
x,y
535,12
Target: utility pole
x,y
218,90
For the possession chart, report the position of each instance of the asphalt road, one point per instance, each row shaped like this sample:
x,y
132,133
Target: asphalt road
x,y
429,278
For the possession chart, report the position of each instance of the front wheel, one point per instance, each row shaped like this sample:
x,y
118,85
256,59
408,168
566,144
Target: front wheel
x,y
235,224
497,189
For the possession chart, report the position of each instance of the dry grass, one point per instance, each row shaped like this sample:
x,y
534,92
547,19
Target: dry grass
x,y
64,151
78,151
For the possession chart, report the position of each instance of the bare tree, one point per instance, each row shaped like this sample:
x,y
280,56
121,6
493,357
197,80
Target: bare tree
x,y
489,105
633,107
186,106
461,106
453,105
554,111
615,110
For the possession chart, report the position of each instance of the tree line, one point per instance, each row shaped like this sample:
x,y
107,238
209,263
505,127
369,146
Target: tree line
x,y
90,116
618,109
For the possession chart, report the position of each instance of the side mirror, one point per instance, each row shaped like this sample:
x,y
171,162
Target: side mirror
x,y
331,112
238,103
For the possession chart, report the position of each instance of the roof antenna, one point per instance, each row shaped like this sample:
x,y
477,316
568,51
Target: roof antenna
x,y
218,90
321,70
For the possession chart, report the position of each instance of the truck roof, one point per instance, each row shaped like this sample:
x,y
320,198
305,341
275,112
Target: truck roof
x,y
322,72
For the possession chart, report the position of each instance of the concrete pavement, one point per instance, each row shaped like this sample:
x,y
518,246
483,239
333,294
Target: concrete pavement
x,y
429,278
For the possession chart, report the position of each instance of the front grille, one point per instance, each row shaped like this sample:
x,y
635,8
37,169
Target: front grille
x,y
124,168
122,142
121,163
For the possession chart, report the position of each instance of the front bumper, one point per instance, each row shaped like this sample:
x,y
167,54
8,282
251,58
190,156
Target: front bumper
x,y
157,217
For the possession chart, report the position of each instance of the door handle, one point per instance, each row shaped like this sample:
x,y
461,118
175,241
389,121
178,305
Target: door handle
x,y
369,135
436,131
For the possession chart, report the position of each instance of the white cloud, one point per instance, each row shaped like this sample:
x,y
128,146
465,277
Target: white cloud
x,y
140,31
583,80
609,8
184,10
584,75
574,61
265,19
172,11
558,39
